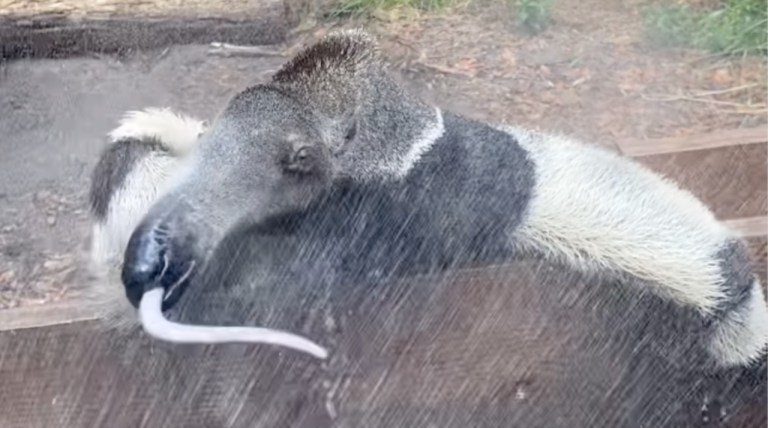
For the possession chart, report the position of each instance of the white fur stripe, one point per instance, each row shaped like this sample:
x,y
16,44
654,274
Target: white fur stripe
x,y
422,145
177,132
128,204
598,210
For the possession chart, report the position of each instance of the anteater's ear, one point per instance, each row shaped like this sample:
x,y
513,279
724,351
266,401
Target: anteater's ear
x,y
329,77
340,55
350,129
343,132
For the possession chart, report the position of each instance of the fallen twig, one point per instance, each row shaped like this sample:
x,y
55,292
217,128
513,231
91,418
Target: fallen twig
x,y
724,91
695,100
747,112
226,49
446,69
689,97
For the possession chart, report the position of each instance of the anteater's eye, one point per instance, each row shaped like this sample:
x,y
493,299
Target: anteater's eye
x,y
302,160
302,155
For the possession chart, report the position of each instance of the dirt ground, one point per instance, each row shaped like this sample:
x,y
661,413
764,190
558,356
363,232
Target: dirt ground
x,y
590,75
54,115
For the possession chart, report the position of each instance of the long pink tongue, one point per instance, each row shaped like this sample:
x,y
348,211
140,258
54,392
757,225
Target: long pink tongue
x,y
156,325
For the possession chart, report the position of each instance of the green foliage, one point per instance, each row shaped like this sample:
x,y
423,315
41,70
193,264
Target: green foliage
x,y
740,26
533,16
670,25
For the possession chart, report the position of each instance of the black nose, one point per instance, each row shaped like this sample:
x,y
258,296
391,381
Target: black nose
x,y
157,255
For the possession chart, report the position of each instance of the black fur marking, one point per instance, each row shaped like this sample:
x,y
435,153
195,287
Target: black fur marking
x,y
736,268
446,212
114,165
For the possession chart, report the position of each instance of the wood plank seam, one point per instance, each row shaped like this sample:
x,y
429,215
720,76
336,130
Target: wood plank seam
x,y
44,315
727,138
749,227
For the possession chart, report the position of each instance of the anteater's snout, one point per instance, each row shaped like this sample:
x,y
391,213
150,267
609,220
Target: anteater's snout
x,y
160,254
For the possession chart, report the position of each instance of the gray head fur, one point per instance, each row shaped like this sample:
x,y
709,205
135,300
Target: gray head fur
x,y
331,112
368,121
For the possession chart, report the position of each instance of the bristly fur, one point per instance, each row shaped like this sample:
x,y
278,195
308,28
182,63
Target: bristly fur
x,y
333,76
343,80
344,52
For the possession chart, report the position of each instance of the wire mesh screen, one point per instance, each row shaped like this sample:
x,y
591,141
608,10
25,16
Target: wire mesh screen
x,y
518,343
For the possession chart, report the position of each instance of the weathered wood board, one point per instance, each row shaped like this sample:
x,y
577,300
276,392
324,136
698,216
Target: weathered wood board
x,y
732,180
714,140
48,28
500,347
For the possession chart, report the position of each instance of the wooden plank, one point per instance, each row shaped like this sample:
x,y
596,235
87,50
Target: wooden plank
x,y
732,181
751,227
87,9
54,29
718,139
55,313
548,350
758,250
